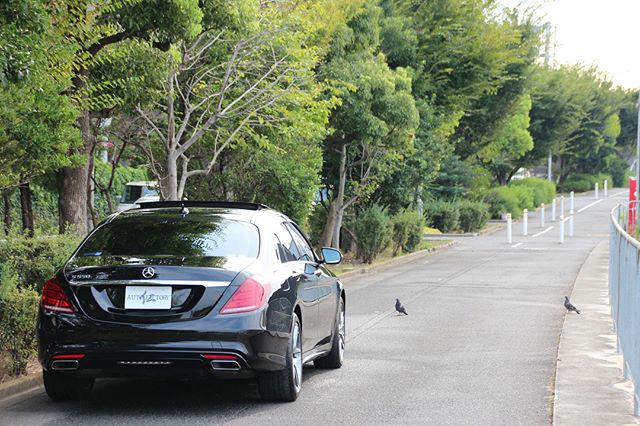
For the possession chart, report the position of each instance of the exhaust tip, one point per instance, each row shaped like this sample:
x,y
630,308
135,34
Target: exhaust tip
x,y
225,365
65,364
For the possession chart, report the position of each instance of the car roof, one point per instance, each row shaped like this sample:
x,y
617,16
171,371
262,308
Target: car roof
x,y
249,211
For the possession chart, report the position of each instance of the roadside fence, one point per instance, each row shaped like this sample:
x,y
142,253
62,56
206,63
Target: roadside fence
x,y
624,290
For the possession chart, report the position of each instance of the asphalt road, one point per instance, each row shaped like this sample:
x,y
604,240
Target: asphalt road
x,y
478,347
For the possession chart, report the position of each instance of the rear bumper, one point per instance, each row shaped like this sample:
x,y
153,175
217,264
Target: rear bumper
x,y
178,349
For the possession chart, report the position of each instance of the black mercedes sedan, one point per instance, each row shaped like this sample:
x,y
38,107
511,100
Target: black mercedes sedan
x,y
191,290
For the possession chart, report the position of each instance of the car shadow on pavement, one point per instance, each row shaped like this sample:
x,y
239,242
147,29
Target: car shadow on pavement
x,y
159,399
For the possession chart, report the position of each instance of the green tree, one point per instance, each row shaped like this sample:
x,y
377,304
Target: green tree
x,y
233,86
88,28
36,118
511,140
373,127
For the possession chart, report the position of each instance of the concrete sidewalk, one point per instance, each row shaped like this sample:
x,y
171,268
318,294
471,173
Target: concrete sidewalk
x,y
589,387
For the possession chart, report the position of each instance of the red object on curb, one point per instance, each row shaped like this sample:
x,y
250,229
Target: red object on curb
x,y
631,226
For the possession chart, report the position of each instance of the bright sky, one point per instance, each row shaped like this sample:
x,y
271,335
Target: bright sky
x,y
605,33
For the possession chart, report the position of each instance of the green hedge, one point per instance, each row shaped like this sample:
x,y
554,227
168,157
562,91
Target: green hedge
x,y
473,215
503,200
443,215
582,182
407,231
18,312
373,229
544,191
32,261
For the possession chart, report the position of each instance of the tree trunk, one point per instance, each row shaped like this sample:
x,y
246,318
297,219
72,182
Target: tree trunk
x,y
6,196
170,182
72,185
91,191
327,232
26,209
331,232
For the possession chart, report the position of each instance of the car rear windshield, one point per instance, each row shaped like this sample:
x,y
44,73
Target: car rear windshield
x,y
175,236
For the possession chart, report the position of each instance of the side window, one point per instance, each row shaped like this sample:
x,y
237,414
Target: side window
x,y
287,250
306,252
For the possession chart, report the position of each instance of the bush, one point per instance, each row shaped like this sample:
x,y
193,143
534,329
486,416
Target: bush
x,y
473,215
583,182
544,191
373,230
442,215
503,200
525,196
18,312
32,261
407,231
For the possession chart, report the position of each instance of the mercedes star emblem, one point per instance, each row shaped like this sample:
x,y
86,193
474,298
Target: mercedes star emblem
x,y
148,272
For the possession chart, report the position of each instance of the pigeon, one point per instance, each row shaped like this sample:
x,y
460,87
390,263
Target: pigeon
x,y
400,308
569,306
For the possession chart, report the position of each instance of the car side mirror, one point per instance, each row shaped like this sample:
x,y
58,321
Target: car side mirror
x,y
331,256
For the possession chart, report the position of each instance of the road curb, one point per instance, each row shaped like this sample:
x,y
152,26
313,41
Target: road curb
x,y
395,261
485,231
19,385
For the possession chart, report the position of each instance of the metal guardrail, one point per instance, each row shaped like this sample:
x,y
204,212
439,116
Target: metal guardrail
x,y
624,291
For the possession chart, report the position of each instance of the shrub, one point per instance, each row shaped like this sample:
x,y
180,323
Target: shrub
x,y
544,191
443,215
373,230
18,311
407,231
583,182
525,196
34,260
503,200
473,215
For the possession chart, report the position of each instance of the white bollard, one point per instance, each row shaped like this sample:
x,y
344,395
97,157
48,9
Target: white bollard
x,y
553,210
571,226
542,215
571,202
561,229
605,187
596,190
525,221
509,239
562,205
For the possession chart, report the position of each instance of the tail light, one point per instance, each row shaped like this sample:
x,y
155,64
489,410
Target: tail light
x,y
250,296
54,298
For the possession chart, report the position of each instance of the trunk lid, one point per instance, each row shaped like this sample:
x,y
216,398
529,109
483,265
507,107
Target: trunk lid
x,y
151,289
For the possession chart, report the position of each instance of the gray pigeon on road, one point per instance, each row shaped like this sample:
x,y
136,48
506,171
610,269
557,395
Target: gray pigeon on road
x,y
400,308
569,306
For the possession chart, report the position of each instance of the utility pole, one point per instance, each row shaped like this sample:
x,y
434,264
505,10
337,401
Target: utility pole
x,y
547,58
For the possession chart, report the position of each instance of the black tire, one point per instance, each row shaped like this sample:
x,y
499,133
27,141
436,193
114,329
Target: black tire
x,y
335,357
285,385
61,387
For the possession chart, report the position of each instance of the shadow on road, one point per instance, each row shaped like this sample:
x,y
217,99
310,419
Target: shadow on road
x,y
155,400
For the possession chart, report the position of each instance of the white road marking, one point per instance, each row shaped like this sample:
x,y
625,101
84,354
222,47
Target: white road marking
x,y
620,193
516,245
542,232
590,205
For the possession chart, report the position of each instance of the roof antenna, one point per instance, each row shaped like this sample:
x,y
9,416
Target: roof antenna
x,y
183,210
